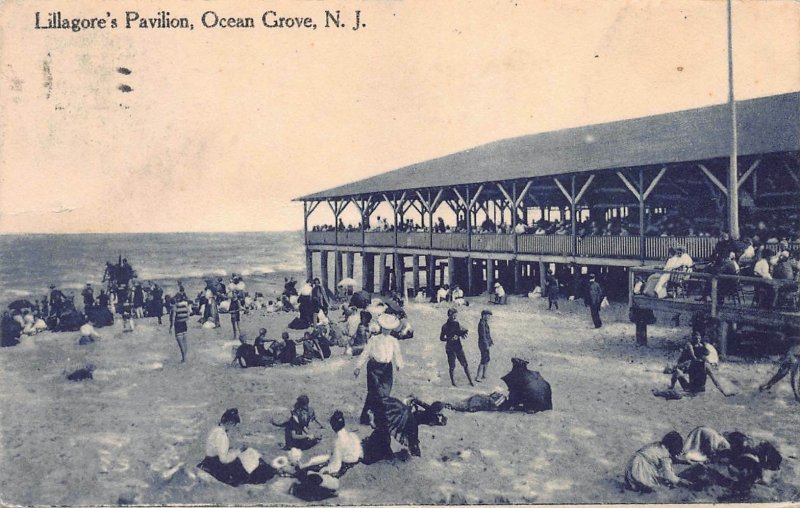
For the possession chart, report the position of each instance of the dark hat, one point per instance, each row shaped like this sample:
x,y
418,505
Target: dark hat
x,y
52,286
592,276
302,400
337,420
451,312
230,417
486,312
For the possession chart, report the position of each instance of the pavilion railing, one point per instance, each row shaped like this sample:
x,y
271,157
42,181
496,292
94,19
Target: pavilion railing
x,y
322,237
545,244
609,246
350,238
416,239
450,241
491,242
379,238
698,247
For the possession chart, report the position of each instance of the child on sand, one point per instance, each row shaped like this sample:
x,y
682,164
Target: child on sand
x,y
296,428
88,334
651,466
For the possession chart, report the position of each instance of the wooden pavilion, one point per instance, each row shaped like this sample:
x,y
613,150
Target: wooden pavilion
x,y
634,170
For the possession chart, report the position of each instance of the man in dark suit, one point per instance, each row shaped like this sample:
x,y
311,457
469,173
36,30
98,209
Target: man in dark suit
x,y
593,299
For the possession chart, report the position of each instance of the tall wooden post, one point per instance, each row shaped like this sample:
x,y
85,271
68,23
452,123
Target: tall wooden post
x,y
451,270
641,218
399,273
542,276
351,261
415,272
470,268
489,276
368,272
337,267
470,275
572,219
323,268
430,266
733,166
309,264
382,274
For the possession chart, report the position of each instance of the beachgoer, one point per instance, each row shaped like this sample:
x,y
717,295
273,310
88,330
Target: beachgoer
x,y
552,290
651,466
363,333
692,375
88,334
593,299
157,302
88,296
179,318
499,293
452,333
347,450
138,300
380,352
235,312
233,466
296,429
484,343
283,350
787,363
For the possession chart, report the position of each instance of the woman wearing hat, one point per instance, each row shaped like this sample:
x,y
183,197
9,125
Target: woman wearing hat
x,y
379,354
484,343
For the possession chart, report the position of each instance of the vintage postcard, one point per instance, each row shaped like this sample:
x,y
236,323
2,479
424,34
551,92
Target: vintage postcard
x,y
382,252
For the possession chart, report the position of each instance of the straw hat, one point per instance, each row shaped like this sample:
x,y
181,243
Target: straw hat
x,y
388,322
376,309
305,290
497,284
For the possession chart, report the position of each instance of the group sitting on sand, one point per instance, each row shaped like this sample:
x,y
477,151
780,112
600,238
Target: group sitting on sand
x,y
730,464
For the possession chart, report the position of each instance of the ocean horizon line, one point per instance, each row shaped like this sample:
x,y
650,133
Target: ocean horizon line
x,y
73,233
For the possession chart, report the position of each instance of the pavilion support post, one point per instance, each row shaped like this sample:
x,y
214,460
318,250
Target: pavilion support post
x,y
351,261
724,329
515,265
337,267
641,228
542,276
733,166
415,272
573,222
451,270
431,281
309,264
368,272
399,273
382,274
489,276
323,268
470,275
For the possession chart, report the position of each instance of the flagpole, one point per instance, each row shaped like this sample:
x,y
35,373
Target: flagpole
x,y
733,169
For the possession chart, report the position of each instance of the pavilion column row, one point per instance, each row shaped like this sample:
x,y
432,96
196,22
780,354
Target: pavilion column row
x,y
395,273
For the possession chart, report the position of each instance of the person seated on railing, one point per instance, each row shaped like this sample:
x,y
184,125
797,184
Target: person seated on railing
x,y
440,227
487,226
656,283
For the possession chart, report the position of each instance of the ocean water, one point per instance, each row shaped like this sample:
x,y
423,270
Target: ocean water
x,y
30,263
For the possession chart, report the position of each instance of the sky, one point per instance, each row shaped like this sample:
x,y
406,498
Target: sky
x,y
221,128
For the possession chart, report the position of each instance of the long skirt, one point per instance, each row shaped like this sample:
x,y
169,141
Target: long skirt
x,y
234,473
380,377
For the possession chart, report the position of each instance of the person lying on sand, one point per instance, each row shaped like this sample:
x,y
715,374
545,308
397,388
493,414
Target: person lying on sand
x,y
82,374
296,428
233,466
651,466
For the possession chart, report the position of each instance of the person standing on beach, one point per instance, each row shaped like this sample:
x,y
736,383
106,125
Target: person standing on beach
x,y
484,343
179,319
593,299
452,333
235,311
552,290
157,302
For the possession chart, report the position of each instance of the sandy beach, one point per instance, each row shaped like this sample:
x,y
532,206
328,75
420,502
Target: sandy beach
x,y
135,433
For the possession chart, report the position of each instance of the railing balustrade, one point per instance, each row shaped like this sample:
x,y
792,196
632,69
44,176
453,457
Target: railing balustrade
x,y
545,244
609,246
492,242
450,241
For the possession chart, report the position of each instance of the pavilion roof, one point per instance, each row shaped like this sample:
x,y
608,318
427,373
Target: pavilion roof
x,y
765,125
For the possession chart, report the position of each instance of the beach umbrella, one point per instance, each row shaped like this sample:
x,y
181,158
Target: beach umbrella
x,y
20,304
348,282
